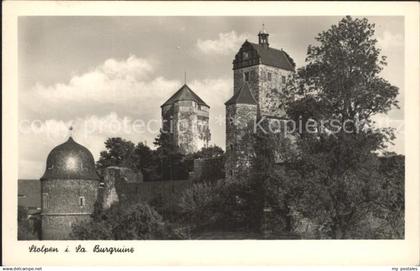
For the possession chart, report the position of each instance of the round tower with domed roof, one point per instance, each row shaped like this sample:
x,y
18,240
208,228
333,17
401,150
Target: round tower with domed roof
x,y
69,189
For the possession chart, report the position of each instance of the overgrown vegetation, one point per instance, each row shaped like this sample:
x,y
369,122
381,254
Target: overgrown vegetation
x,y
125,222
335,180
166,162
29,227
221,205
338,181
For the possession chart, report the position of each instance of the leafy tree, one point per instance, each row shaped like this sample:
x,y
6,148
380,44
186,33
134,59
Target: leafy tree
x,y
172,164
340,90
334,178
145,160
208,152
118,153
124,222
124,153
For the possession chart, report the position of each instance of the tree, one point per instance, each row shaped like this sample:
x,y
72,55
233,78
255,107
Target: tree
x,y
118,153
124,153
145,160
334,180
208,152
172,164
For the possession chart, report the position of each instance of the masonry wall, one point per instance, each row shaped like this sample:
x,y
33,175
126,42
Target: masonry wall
x,y
188,122
240,120
268,93
117,189
253,82
270,98
61,205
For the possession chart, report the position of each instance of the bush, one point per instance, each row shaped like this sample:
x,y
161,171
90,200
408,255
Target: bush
x,y
28,228
213,169
218,205
125,222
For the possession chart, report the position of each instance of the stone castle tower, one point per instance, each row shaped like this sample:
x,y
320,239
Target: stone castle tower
x,y
69,189
259,76
186,117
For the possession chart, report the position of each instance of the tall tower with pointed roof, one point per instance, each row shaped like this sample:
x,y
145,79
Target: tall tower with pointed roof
x,y
259,77
185,116
241,113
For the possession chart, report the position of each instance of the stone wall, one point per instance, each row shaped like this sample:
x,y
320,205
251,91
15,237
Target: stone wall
x,y
59,227
61,205
268,92
188,122
240,120
117,189
271,92
254,78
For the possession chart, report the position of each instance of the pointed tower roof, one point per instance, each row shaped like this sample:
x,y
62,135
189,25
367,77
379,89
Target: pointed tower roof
x,y
243,96
184,94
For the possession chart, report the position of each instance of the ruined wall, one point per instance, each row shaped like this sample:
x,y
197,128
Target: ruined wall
x,y
117,189
61,205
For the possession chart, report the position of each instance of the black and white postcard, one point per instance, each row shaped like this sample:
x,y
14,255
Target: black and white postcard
x,y
210,133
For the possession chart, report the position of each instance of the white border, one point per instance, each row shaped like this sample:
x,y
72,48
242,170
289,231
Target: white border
x,y
300,252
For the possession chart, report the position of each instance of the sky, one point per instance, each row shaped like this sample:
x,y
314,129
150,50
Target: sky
x,y
108,76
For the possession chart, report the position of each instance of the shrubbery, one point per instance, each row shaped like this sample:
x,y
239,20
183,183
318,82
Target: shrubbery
x,y
125,222
219,205
28,228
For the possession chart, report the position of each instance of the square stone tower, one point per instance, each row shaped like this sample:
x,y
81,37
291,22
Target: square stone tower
x,y
186,117
259,76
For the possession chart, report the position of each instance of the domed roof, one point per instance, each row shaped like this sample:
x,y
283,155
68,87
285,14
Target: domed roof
x,y
70,160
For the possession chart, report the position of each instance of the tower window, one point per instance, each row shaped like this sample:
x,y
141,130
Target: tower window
x,y
245,55
283,79
269,76
246,74
81,201
44,200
